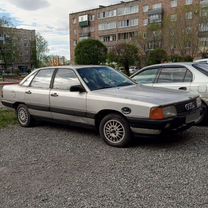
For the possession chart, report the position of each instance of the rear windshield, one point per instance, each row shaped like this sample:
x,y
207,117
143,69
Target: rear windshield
x,y
202,67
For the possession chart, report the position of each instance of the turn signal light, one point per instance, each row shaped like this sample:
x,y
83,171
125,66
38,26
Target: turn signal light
x,y
157,114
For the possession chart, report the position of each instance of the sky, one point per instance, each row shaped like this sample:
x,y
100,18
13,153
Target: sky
x,y
48,17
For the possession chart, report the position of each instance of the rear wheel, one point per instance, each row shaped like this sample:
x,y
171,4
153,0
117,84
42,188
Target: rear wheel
x,y
23,116
115,130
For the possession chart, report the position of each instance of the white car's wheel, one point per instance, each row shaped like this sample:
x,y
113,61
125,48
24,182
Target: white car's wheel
x,y
23,116
115,130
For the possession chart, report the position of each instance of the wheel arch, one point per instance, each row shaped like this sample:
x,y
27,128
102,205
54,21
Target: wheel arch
x,y
101,114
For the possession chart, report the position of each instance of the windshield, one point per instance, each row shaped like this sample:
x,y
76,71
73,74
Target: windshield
x,y
97,78
202,67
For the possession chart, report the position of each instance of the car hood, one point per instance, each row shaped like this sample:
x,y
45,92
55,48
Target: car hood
x,y
156,96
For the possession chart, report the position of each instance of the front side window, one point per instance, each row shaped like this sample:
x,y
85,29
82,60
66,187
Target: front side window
x,y
43,79
103,77
28,80
178,74
146,77
65,78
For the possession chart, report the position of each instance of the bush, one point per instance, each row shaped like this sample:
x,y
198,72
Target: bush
x,y
90,52
157,56
177,58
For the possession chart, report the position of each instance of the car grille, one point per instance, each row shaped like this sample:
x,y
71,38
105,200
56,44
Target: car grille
x,y
181,107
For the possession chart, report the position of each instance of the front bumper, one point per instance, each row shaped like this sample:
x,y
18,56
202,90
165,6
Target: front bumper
x,y
153,127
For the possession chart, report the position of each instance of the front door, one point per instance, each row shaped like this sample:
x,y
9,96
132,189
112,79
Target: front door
x,y
64,104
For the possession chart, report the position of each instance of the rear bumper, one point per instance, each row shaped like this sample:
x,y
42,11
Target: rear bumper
x,y
152,127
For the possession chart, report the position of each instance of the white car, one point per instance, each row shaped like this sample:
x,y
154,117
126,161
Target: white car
x,y
202,61
191,77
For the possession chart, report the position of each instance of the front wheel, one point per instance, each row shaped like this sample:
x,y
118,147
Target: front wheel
x,y
115,130
23,116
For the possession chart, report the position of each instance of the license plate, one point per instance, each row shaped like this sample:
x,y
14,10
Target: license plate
x,y
192,117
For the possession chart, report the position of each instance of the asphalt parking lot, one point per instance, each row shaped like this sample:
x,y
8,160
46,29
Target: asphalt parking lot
x,y
61,166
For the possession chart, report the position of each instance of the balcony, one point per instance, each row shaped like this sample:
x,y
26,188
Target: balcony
x,y
84,23
204,3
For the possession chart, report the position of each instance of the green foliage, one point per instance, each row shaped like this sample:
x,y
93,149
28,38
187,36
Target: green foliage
x,y
7,118
41,50
124,54
177,58
89,52
157,56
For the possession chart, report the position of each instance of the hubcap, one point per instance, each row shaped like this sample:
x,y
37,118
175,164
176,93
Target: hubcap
x,y
114,131
22,116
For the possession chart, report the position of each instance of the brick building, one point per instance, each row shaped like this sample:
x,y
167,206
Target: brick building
x,y
126,20
21,42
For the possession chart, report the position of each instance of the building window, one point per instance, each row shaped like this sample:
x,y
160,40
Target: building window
x,y
157,6
203,27
74,20
145,8
83,18
75,42
108,38
107,26
92,17
127,35
155,18
203,42
128,23
189,15
174,3
128,10
107,14
189,2
173,18
145,22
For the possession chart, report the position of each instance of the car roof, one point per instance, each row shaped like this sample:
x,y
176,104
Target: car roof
x,y
170,64
71,67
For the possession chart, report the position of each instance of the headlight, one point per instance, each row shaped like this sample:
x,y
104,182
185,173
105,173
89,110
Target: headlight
x,y
160,113
198,102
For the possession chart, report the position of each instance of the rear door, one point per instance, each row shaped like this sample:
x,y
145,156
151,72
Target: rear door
x,y
174,77
64,104
37,93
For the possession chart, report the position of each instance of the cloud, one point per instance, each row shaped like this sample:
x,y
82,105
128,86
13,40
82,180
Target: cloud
x,y
51,21
30,4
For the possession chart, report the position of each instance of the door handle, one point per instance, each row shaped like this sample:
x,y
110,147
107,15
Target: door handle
x,y
54,95
182,88
28,92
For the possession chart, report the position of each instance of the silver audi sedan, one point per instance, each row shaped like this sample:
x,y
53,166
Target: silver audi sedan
x,y
101,97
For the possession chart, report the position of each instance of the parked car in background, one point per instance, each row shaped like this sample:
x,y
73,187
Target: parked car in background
x,y
133,69
191,77
103,98
202,61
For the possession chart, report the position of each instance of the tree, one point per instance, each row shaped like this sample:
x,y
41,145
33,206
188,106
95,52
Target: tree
x,y
41,50
125,54
8,43
157,56
89,52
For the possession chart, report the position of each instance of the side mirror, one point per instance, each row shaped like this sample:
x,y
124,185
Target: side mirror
x,y
77,88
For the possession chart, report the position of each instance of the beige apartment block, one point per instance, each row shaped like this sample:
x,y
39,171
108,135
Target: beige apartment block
x,y
124,21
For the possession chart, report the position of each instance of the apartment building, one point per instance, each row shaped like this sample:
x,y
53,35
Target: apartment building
x,y
126,20
20,43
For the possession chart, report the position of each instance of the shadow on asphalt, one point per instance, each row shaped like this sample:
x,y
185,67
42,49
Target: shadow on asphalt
x,y
151,141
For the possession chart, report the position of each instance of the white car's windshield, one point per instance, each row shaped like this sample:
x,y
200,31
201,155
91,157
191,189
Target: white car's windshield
x,y
202,67
97,78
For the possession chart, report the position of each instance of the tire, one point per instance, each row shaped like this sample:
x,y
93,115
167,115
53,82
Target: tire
x,y
115,130
23,116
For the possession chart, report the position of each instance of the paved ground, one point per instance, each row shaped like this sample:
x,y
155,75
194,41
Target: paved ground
x,y
58,166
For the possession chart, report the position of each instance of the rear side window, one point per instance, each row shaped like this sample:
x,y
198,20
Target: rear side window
x,y
174,74
65,78
43,79
146,77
